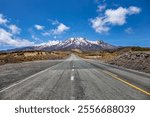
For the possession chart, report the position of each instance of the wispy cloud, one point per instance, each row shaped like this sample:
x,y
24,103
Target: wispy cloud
x,y
60,28
112,17
37,39
8,34
8,39
39,27
99,25
14,29
133,10
54,22
100,8
3,20
129,30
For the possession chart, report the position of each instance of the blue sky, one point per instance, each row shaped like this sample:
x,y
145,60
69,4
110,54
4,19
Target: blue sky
x,y
32,22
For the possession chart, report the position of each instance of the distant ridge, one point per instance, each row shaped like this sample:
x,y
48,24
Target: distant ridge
x,y
80,43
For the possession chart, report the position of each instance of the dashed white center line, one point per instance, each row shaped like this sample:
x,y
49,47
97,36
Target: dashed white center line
x,y
72,69
72,78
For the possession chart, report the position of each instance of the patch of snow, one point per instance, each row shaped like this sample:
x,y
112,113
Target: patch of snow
x,y
93,42
54,42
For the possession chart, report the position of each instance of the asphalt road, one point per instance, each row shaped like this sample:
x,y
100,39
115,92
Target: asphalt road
x,y
78,79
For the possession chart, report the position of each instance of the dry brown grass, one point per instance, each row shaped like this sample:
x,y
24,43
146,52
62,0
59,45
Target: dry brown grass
x,y
104,56
16,57
110,55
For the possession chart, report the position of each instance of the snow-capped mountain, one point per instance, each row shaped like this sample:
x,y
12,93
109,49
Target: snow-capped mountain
x,y
72,43
79,43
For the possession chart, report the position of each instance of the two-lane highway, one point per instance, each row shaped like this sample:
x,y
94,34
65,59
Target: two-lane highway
x,y
75,78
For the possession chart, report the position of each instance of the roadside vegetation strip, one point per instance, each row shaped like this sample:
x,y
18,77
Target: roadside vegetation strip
x,y
125,82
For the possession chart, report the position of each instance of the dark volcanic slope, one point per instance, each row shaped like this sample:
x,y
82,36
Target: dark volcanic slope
x,y
134,60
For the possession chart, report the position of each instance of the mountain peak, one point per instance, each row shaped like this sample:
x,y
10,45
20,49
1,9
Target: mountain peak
x,y
76,40
80,43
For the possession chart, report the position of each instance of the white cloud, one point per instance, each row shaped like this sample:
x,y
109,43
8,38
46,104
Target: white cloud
x,y
101,8
2,19
9,32
99,25
133,10
116,17
54,22
39,27
14,29
113,17
35,38
129,30
61,28
7,38
47,33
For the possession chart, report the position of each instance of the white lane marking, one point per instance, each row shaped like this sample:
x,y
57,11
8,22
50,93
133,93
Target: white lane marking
x,y
72,69
72,78
23,80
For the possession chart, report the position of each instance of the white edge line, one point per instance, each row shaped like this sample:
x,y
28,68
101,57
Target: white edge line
x,y
23,80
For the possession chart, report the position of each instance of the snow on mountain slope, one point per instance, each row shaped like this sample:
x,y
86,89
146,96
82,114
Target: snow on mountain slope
x,y
50,43
72,43
78,43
